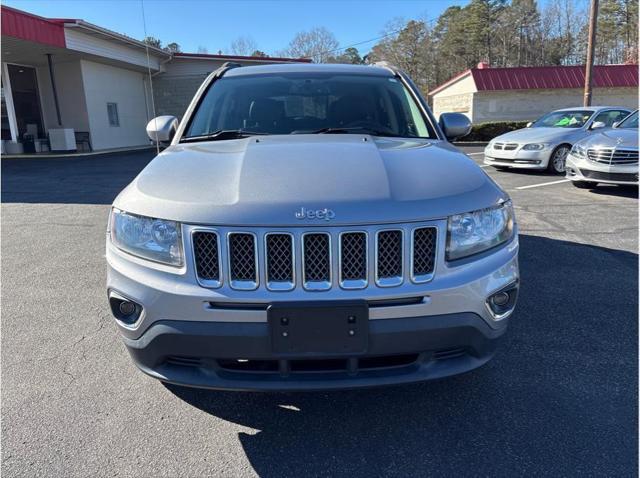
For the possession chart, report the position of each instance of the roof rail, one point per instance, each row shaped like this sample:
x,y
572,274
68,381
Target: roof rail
x,y
385,64
227,65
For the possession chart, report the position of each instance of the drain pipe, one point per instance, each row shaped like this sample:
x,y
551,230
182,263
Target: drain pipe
x,y
53,87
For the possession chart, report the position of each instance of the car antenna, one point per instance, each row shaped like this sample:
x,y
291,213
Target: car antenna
x,y
153,101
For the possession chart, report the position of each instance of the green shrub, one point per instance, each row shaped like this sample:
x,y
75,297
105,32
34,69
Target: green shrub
x,y
488,131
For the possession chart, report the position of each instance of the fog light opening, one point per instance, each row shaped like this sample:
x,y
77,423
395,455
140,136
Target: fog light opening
x,y
501,303
125,310
499,299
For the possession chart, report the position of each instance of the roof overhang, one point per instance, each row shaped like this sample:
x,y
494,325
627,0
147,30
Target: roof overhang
x,y
256,59
105,34
32,28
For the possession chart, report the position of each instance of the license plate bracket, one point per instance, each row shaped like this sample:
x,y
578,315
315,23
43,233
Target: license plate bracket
x,y
319,328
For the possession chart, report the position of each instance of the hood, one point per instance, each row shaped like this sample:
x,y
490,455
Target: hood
x,y
266,180
611,138
536,135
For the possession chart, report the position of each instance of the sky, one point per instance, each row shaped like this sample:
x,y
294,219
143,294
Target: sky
x,y
214,24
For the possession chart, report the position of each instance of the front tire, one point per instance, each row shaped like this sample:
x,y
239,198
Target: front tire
x,y
584,184
558,159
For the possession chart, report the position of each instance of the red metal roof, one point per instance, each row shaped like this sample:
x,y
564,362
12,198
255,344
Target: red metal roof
x,y
547,77
241,57
26,26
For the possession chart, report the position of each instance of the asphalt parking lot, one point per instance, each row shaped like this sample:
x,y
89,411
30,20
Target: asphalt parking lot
x,y
560,397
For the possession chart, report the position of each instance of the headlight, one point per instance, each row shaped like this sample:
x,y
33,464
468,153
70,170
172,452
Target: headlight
x,y
579,151
477,231
534,147
154,239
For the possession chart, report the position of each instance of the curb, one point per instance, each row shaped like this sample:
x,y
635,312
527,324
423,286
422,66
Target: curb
x,y
471,143
103,152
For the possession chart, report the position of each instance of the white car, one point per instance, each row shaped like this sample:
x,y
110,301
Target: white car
x,y
545,143
608,157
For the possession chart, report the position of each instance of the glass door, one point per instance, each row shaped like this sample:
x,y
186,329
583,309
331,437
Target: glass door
x,y
26,101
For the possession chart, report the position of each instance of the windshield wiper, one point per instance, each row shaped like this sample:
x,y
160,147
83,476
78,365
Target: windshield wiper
x,y
351,130
220,135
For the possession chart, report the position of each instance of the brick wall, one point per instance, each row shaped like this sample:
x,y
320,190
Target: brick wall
x,y
172,95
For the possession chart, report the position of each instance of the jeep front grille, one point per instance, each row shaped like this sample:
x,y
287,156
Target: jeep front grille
x,y
423,244
279,258
243,264
207,253
389,258
353,260
315,260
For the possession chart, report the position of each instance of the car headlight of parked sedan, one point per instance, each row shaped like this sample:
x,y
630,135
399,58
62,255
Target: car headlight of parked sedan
x,y
153,239
477,231
579,151
534,146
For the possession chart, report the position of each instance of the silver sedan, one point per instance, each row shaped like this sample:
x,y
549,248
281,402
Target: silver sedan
x,y
610,157
545,143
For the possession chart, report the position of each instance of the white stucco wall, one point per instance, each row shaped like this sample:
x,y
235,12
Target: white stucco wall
x,y
71,96
108,84
527,105
457,97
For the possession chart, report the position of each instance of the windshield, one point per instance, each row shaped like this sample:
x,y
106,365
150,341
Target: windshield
x,y
296,103
563,119
630,122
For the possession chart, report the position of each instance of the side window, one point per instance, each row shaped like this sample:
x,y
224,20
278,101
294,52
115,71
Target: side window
x,y
610,117
112,112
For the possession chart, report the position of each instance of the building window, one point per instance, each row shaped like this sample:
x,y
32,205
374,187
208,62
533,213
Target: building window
x,y
112,111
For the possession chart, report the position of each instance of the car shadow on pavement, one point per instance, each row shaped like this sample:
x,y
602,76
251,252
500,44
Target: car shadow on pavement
x,y
534,173
559,398
71,180
618,191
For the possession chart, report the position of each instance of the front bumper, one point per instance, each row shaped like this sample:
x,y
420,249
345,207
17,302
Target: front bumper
x,y
206,354
191,335
583,169
517,158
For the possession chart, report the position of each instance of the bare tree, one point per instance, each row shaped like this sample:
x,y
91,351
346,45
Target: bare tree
x,y
243,46
202,49
319,44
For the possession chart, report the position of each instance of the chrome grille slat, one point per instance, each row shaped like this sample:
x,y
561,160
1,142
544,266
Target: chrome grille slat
x,y
613,155
313,259
423,247
243,263
354,266
389,258
316,260
505,146
206,248
279,256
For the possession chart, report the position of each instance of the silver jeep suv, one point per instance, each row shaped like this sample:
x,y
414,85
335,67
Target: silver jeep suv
x,y
310,227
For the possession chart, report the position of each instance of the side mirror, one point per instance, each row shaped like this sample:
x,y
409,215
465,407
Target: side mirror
x,y
598,125
529,124
162,128
454,125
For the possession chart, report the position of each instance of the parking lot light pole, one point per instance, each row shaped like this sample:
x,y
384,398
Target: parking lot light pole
x,y
593,20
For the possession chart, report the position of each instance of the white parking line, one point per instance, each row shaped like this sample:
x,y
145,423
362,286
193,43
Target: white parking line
x,y
544,184
474,154
484,165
